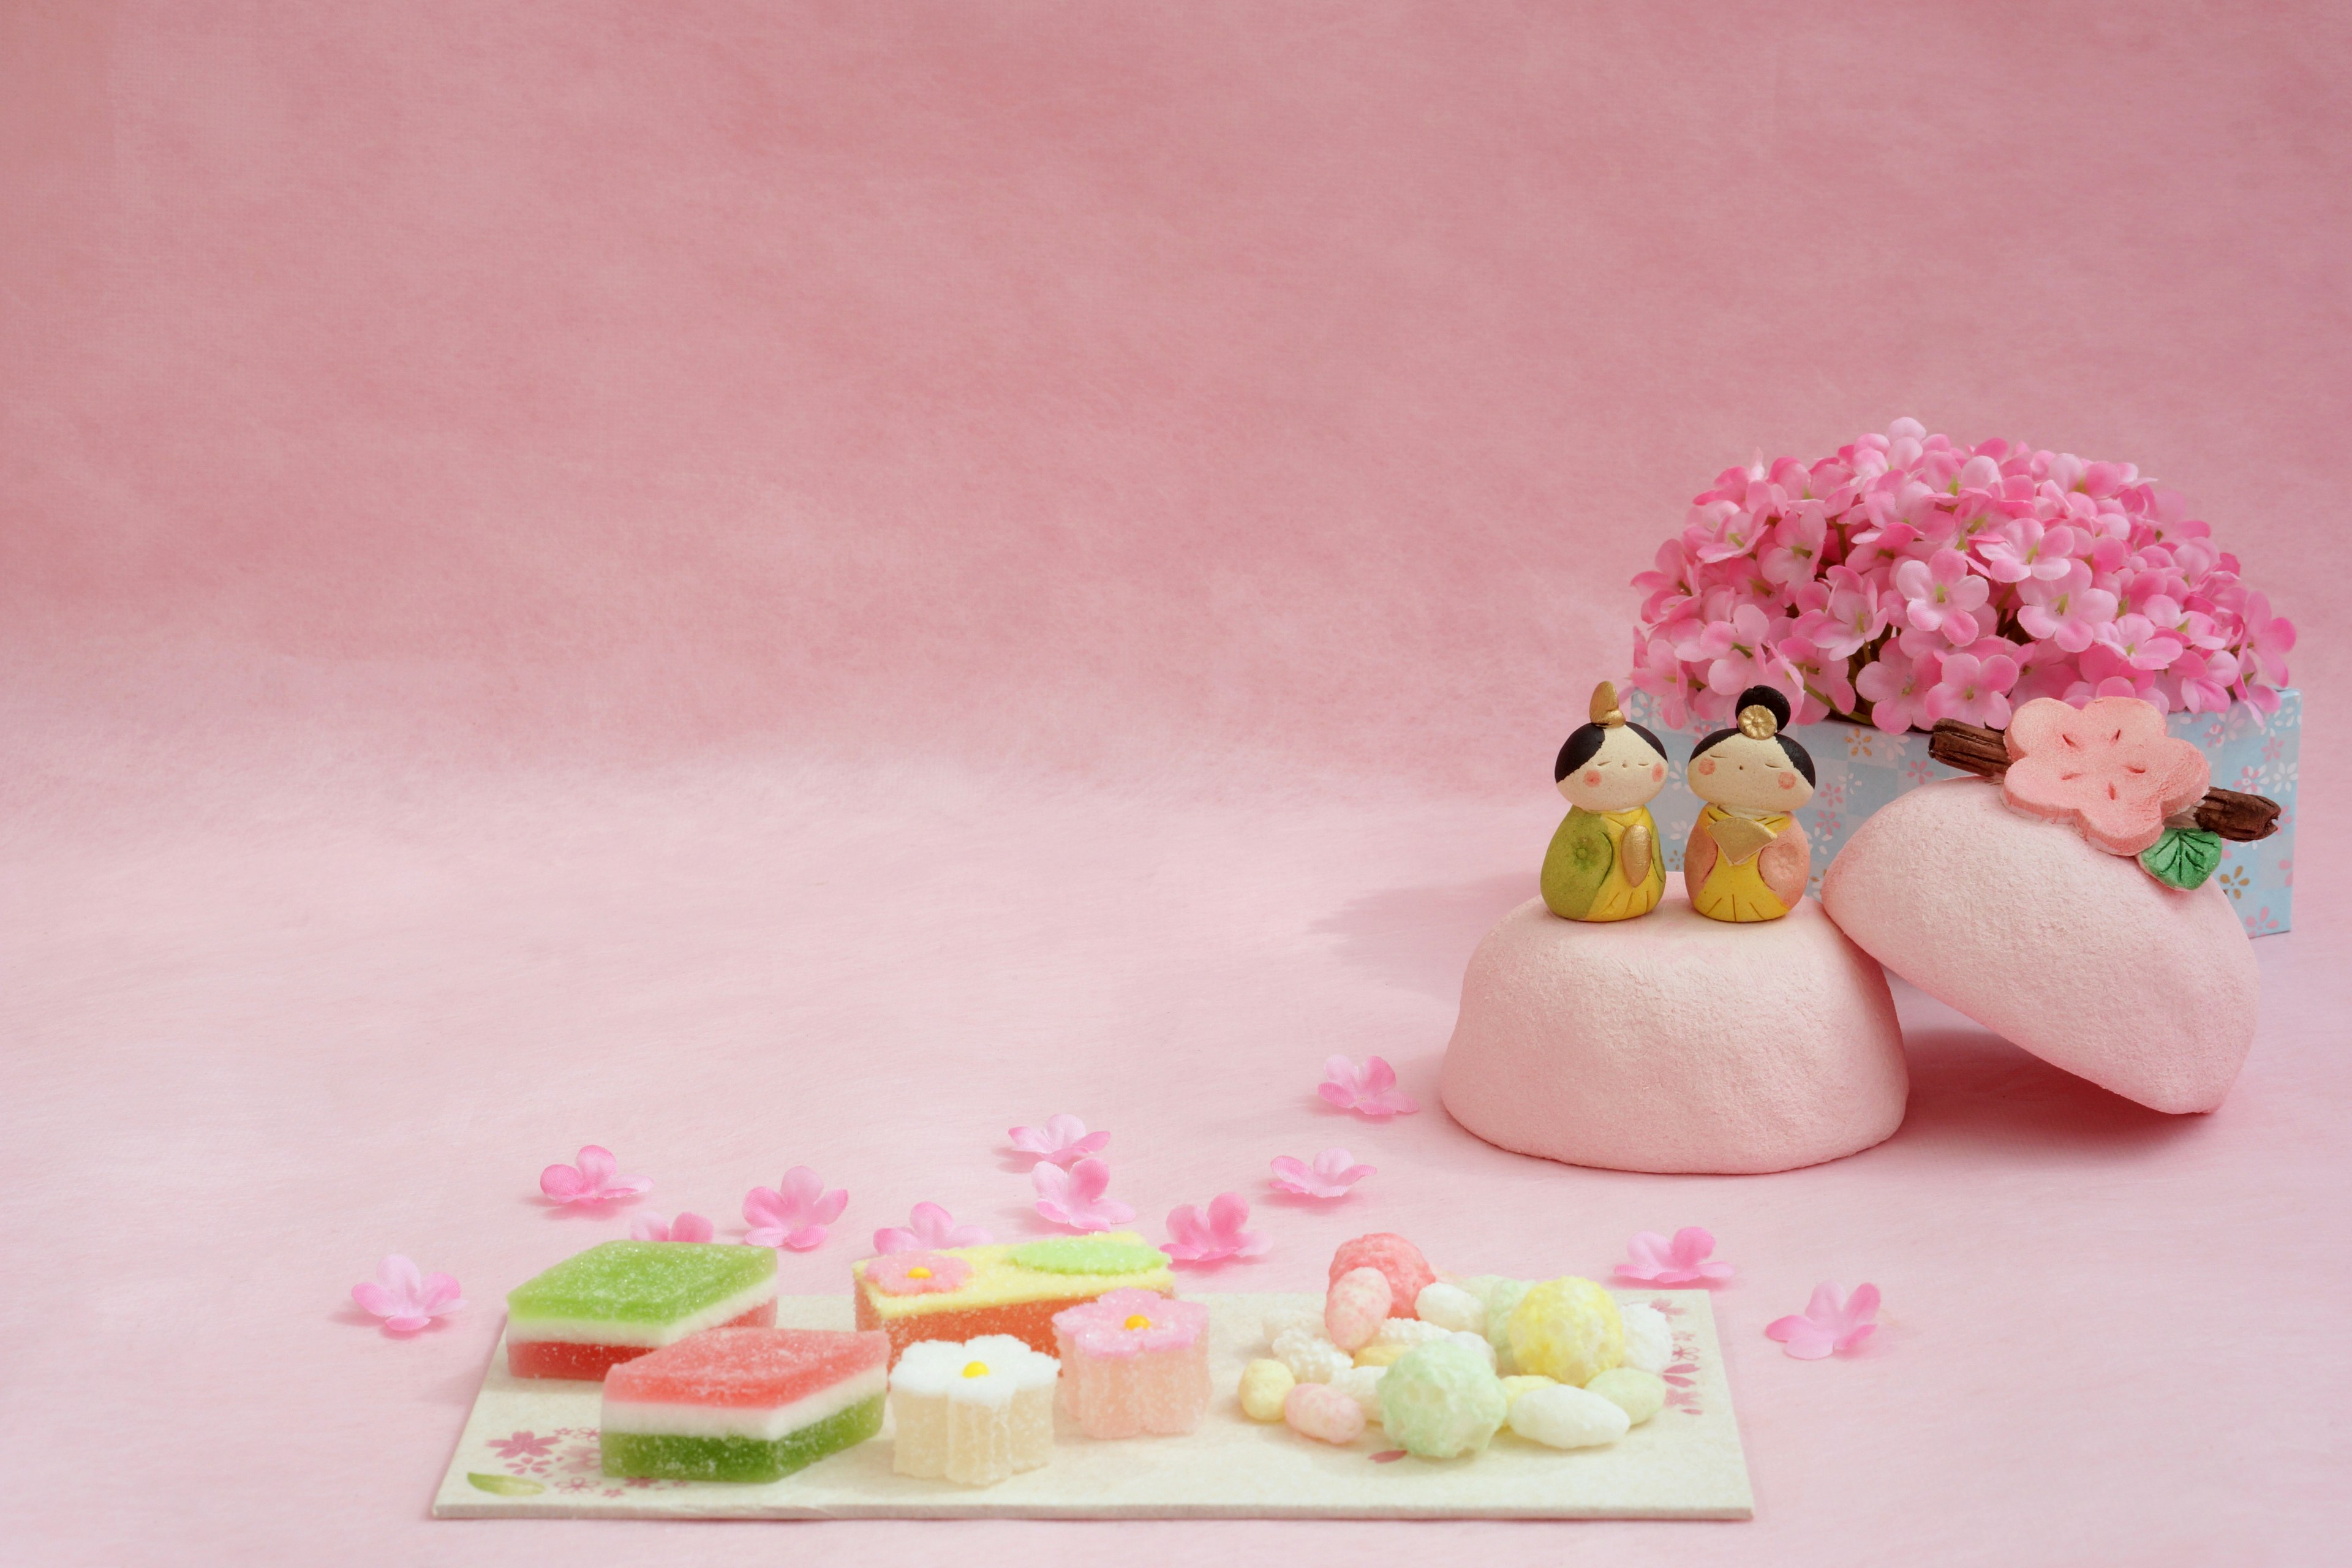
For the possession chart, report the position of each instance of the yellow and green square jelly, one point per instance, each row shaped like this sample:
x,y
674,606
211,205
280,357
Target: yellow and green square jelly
x,y
623,1299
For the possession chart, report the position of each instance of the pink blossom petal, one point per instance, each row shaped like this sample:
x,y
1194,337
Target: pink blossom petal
x,y
1075,1198
404,1298
1333,1172
1064,1140
795,1217
593,1180
1685,1260
1827,1325
1200,1237
1369,1090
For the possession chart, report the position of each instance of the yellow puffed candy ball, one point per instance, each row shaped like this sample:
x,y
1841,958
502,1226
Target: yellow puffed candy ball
x,y
1265,1385
1524,1384
1568,1329
1380,1355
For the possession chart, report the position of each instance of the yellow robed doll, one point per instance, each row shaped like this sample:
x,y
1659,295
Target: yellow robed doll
x,y
1605,863
1747,859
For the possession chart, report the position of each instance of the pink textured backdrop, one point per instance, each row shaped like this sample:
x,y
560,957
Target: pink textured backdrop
x,y
777,583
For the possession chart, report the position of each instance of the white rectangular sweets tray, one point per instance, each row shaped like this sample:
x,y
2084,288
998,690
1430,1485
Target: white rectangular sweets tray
x,y
530,1452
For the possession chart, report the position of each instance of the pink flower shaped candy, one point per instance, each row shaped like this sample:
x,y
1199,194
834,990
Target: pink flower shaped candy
x,y
1063,1141
916,1273
1685,1260
1368,1091
1074,1197
684,1227
2109,768
1128,1321
1334,1172
1206,1238
595,1180
1827,1325
931,1228
405,1300
795,1216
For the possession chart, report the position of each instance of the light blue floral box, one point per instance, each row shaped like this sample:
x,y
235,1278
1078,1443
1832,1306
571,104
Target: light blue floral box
x,y
1861,769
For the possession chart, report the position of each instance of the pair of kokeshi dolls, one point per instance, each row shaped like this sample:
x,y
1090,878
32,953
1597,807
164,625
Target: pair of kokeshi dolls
x,y
1745,859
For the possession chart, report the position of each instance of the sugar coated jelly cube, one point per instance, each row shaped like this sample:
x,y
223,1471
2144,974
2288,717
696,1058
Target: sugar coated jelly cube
x,y
1001,1288
621,1299
743,1405
1133,1361
974,1412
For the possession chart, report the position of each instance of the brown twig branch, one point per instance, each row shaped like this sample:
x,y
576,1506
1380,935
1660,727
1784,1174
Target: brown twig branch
x,y
1972,748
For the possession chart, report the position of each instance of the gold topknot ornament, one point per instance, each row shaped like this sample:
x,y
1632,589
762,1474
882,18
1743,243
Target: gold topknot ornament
x,y
1757,722
1605,711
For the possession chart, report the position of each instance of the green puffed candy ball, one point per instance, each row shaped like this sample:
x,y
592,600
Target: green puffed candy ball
x,y
1500,1296
1087,1255
1440,1401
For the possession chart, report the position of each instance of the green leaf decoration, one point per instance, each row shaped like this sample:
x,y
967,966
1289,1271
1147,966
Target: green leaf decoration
x,y
2183,857
506,1486
1088,1255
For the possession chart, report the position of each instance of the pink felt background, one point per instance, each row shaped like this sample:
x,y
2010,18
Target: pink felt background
x,y
771,582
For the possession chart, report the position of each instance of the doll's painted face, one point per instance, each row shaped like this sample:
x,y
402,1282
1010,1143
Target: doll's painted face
x,y
1742,773
1623,774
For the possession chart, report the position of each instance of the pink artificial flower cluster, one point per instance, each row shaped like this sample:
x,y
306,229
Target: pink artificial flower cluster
x,y
1906,580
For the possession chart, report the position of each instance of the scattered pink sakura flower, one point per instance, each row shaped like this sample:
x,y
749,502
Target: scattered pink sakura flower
x,y
1074,1197
1334,1172
405,1300
1368,1091
684,1227
593,1181
931,1229
1972,689
1063,1141
1685,1260
796,1215
1205,1238
1828,1325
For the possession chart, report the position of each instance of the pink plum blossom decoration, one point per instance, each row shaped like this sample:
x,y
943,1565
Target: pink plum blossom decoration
x,y
794,1214
595,1180
1828,1325
2108,768
1908,579
1216,1235
1685,1260
684,1227
1334,1172
1074,1197
405,1300
930,1228
1063,1141
1368,1091
916,1273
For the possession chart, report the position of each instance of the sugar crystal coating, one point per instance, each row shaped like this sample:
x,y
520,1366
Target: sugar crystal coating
x,y
1408,1332
1449,1306
1134,1361
1087,1255
1441,1400
976,1412
1282,1320
1564,1417
1363,1384
1640,1394
1567,1329
1380,1355
1475,1343
1401,1260
1356,1307
1501,1297
1313,1410
1649,1338
1310,1357
743,1404
1266,1383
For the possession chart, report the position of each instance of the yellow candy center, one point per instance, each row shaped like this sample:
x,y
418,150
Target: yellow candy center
x,y
1139,1322
975,1369
918,1274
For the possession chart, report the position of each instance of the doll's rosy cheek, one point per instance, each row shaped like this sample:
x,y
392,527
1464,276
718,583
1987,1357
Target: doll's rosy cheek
x,y
1788,781
1708,766
1657,772
1592,776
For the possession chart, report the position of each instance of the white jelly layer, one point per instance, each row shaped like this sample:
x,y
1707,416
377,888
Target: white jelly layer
x,y
766,1423
603,1331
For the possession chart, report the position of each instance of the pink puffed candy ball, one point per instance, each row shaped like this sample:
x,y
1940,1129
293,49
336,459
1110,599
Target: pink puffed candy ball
x,y
1356,1307
1319,1411
1408,1271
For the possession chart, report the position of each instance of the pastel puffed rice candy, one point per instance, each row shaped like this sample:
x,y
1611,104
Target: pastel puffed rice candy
x,y
1363,1384
1441,1400
1449,1306
1265,1385
1282,1320
1380,1355
1477,1345
1649,1338
1526,1382
1640,1394
1408,1332
1356,1307
1408,1271
1501,1296
1568,1329
1310,1357
1564,1417
1315,1410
